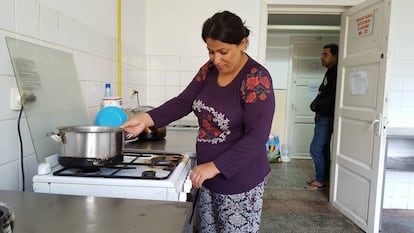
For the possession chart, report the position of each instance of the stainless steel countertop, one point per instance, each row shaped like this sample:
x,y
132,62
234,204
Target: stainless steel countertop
x,y
51,213
176,141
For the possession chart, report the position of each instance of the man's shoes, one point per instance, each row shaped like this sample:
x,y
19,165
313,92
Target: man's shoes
x,y
309,181
315,185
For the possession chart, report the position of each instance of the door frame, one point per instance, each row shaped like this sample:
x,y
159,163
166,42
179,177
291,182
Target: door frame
x,y
295,9
271,8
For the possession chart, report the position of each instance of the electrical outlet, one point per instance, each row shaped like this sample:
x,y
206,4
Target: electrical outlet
x,y
15,99
132,92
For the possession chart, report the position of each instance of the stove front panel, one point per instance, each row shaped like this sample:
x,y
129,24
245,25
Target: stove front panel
x,y
170,189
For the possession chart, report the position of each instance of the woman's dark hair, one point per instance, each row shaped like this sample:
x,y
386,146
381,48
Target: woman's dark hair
x,y
333,47
226,27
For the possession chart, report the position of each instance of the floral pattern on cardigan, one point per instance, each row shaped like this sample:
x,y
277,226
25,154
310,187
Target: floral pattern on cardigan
x,y
255,87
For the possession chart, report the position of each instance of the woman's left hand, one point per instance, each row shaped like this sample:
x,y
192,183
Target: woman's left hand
x,y
202,172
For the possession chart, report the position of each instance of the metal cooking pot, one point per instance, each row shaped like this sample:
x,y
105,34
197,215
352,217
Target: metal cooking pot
x,y
6,219
90,146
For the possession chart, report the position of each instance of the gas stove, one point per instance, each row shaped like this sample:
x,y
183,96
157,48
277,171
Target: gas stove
x,y
134,166
149,176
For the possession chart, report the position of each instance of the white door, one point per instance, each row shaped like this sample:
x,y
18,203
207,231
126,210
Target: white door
x,y
359,129
307,75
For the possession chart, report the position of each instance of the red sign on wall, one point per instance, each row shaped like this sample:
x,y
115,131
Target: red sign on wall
x,y
364,24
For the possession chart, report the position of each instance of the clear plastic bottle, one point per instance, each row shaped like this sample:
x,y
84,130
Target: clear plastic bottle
x,y
108,92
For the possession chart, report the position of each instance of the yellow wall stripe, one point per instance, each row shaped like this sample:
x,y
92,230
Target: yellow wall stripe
x,y
119,51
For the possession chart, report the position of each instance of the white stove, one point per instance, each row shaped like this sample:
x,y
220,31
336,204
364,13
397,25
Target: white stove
x,y
146,176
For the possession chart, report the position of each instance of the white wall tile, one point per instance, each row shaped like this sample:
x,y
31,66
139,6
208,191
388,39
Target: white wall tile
x,y
397,67
27,17
92,64
30,169
93,42
171,91
201,61
9,149
28,148
156,94
408,84
399,203
6,67
394,115
395,98
6,83
80,41
81,64
108,47
156,77
407,98
407,113
105,71
172,63
66,30
10,176
113,75
408,66
7,15
188,63
156,63
172,78
95,94
48,24
129,73
387,203
396,83
186,77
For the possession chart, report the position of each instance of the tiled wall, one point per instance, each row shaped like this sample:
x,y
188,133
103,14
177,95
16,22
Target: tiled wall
x,y
94,53
157,78
401,93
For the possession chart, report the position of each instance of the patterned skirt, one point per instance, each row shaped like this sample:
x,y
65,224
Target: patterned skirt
x,y
220,213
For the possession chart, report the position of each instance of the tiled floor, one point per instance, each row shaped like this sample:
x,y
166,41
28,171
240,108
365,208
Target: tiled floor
x,y
289,208
398,190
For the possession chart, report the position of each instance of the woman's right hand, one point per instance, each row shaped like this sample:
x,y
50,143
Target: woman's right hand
x,y
136,124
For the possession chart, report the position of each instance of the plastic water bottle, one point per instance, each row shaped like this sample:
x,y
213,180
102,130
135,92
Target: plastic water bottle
x,y
108,92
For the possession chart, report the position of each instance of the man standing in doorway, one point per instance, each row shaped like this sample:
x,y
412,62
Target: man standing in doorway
x,y
324,107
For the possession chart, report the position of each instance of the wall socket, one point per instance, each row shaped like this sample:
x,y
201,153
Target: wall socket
x,y
15,99
132,92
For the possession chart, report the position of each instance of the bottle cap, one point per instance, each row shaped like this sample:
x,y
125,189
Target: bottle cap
x,y
107,85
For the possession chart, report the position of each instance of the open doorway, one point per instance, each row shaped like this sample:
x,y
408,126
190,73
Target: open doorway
x,y
281,60
294,44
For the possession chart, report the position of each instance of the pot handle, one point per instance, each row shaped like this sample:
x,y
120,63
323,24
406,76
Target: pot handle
x,y
55,137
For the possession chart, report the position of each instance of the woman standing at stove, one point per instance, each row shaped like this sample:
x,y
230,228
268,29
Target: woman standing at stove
x,y
232,97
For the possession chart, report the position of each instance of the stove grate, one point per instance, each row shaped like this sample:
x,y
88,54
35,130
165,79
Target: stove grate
x,y
134,166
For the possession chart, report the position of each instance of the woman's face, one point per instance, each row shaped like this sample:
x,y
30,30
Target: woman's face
x,y
226,57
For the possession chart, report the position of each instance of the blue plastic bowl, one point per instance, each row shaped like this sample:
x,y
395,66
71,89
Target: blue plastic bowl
x,y
111,116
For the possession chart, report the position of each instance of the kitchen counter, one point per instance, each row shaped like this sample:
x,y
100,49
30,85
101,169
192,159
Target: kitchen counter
x,y
400,132
176,141
50,213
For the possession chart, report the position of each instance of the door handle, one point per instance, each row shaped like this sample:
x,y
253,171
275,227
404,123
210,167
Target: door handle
x,y
376,125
